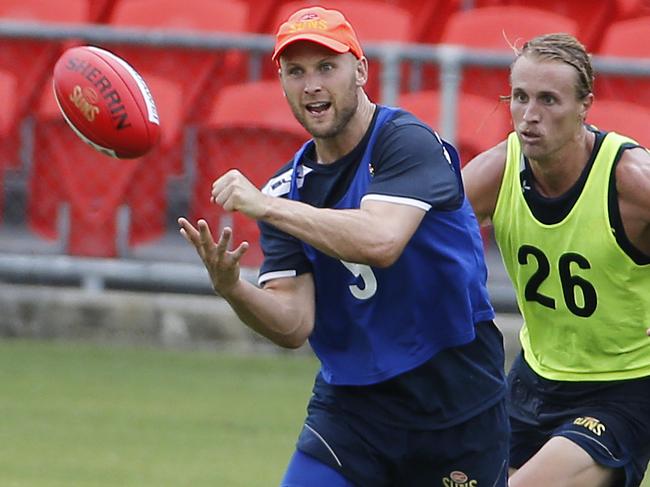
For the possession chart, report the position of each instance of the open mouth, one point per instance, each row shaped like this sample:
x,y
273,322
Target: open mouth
x,y
318,107
528,135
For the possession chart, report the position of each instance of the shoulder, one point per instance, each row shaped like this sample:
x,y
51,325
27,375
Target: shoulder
x,y
405,123
482,179
633,176
404,133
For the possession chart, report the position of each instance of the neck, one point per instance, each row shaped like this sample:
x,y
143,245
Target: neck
x,y
557,173
329,150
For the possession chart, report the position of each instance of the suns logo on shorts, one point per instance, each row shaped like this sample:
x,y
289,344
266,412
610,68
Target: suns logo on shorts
x,y
458,479
592,424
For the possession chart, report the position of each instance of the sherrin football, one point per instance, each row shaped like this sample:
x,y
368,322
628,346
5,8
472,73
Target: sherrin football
x,y
106,102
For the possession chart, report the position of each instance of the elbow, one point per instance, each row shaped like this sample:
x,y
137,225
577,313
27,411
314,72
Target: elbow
x,y
382,256
290,343
294,339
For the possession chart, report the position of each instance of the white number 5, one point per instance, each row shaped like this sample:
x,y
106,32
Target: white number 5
x,y
369,280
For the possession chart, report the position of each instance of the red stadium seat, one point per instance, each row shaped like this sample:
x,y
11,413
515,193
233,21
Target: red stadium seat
x,y
495,28
67,173
193,71
178,80
100,10
626,38
428,18
373,21
591,17
626,118
250,128
28,62
261,13
629,9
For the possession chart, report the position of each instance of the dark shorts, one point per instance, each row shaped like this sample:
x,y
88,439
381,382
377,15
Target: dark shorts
x,y
609,420
372,454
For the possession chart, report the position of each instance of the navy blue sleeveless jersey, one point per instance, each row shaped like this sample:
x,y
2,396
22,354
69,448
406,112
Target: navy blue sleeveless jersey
x,y
373,324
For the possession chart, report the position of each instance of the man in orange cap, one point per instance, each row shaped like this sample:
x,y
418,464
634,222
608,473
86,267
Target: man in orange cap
x,y
373,254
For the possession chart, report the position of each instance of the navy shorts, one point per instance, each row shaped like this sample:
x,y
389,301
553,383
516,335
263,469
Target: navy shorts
x,y
609,420
370,454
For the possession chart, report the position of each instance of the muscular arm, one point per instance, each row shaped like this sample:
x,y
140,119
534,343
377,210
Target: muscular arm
x,y
633,186
482,179
283,311
374,234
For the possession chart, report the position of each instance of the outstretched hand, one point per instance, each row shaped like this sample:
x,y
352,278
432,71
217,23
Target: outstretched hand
x,y
222,264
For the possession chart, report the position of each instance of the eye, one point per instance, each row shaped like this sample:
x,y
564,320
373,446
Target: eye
x,y
325,67
294,71
519,97
547,99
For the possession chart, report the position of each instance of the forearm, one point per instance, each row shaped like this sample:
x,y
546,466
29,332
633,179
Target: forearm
x,y
352,235
271,314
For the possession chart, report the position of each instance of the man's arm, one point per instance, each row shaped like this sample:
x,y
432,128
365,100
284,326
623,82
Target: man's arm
x,y
482,180
283,311
633,186
374,234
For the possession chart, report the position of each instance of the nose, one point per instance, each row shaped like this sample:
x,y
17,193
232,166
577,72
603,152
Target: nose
x,y
312,83
531,113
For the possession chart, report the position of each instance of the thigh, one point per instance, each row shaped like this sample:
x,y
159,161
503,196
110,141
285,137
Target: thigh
x,y
474,452
306,471
563,463
601,435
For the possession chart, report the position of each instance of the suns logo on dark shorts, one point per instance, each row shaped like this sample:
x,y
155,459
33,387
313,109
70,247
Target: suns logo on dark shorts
x,y
592,424
458,479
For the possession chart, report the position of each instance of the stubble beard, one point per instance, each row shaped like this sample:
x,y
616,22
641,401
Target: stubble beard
x,y
349,105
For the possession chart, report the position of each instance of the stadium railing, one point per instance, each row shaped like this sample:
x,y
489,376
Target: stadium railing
x,y
171,263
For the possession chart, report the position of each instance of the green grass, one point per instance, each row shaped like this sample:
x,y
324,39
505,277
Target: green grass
x,y
83,415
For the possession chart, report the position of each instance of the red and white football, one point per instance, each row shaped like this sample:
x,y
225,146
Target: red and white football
x,y
106,102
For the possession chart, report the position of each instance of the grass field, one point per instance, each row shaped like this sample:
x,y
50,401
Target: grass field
x,y
82,415
75,415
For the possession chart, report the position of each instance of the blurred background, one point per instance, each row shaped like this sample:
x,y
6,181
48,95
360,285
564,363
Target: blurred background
x,y
90,255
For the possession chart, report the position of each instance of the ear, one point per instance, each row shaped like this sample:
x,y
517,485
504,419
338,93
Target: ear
x,y
362,71
585,105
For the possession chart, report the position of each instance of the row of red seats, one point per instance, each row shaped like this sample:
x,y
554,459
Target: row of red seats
x,y
481,27
250,127
64,171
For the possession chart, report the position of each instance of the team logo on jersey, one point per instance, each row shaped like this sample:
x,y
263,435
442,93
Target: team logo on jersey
x,y
592,424
458,479
371,169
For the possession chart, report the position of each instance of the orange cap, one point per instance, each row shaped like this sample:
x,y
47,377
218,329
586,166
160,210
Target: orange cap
x,y
328,28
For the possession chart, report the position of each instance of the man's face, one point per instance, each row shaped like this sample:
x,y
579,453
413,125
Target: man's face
x,y
321,87
546,113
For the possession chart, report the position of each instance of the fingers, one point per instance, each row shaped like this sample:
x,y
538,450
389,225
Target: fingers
x,y
224,240
241,250
188,231
200,237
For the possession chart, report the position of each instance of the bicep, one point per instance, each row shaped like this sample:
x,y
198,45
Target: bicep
x,y
398,220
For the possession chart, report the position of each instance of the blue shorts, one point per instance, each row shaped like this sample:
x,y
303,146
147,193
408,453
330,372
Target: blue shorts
x,y
354,452
609,420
